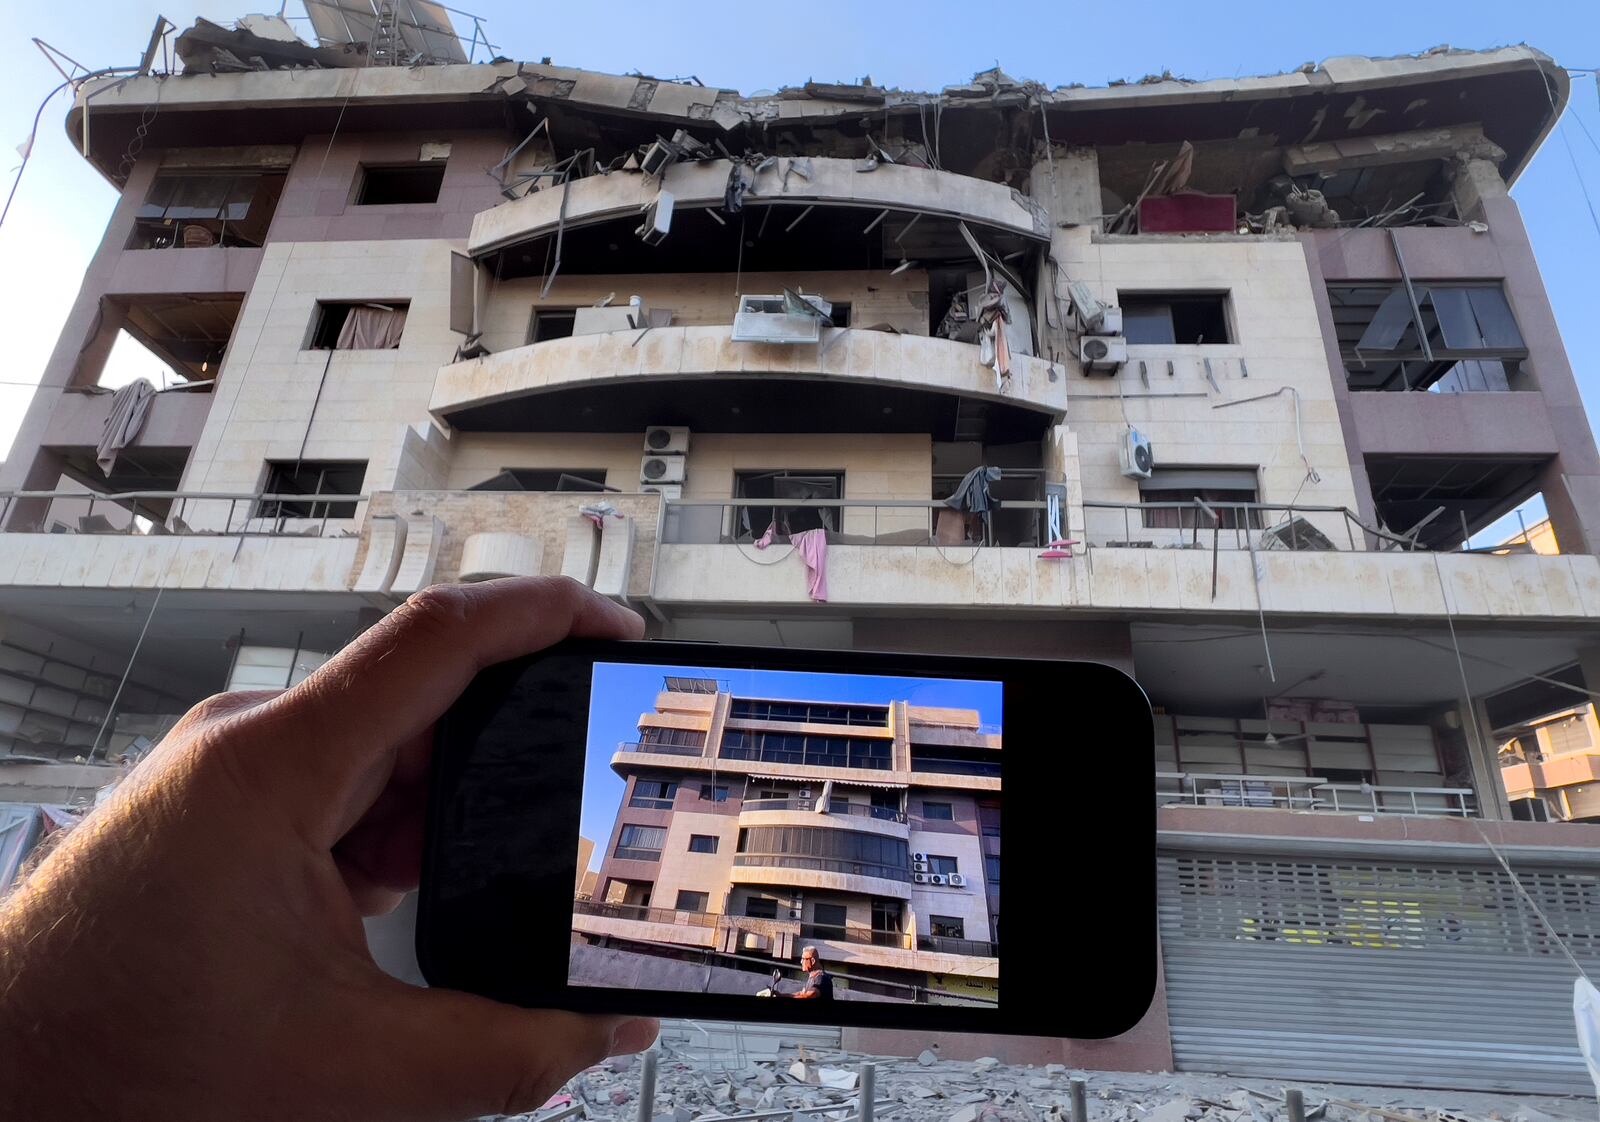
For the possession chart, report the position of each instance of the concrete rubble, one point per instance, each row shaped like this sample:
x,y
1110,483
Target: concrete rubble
x,y
819,1087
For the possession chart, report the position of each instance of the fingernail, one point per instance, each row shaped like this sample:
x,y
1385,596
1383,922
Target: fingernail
x,y
634,1036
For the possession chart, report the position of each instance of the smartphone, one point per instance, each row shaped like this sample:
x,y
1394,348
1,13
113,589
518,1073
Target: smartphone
x,y
692,830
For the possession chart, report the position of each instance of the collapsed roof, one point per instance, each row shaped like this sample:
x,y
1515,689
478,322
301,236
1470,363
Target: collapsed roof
x,y
243,86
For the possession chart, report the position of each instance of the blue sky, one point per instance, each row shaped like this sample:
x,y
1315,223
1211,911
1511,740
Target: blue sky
x,y
62,206
623,691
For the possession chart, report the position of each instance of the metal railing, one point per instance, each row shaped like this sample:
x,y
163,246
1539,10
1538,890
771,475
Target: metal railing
x,y
824,865
945,944
163,513
858,810
658,748
1455,802
904,522
631,853
1310,793
1244,526
646,914
804,758
864,936
645,802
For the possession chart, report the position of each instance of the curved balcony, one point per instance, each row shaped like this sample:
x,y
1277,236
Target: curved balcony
x,y
557,377
830,182
834,874
803,812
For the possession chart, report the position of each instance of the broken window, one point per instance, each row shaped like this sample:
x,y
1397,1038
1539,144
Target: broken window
x,y
340,478
546,479
199,209
358,325
1215,487
1174,317
1467,340
551,323
947,927
754,520
411,183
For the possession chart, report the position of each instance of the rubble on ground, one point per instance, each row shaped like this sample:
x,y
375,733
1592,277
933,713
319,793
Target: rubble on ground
x,y
820,1087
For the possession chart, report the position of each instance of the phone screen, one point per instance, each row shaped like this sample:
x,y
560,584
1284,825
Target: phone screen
x,y
790,835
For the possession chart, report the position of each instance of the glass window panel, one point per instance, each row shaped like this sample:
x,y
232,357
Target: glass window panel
x,y
1457,322
199,196
1495,321
1388,324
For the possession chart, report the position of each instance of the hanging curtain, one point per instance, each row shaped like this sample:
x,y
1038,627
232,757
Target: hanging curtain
x,y
371,328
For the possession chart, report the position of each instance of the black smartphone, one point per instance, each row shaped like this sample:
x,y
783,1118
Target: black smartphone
x,y
691,830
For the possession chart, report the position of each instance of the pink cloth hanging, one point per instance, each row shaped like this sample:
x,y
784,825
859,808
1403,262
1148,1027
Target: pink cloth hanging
x,y
812,545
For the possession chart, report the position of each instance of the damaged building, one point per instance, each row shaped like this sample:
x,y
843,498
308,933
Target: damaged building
x,y
1218,382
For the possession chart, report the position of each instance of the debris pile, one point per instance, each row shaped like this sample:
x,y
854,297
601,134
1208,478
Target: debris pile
x,y
822,1087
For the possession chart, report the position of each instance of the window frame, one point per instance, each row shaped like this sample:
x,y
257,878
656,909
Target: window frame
x,y
1191,517
1392,313
955,927
944,864
947,811
542,312
281,510
1136,300
704,897
363,179
324,333
711,838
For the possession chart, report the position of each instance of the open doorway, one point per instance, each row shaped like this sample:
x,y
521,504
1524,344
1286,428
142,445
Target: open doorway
x,y
750,522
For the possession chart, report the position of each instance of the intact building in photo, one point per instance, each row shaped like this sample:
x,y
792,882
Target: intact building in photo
x,y
1218,382
752,827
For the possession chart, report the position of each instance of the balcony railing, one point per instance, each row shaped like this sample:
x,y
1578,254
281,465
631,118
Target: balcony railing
x,y
658,748
1215,526
804,758
858,810
881,522
165,513
645,802
1310,793
862,935
646,914
630,853
944,944
824,865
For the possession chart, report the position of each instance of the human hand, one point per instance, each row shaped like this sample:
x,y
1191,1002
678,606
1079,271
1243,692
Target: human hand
x,y
195,949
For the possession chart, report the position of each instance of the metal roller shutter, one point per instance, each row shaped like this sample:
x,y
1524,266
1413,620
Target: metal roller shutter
x,y
1375,972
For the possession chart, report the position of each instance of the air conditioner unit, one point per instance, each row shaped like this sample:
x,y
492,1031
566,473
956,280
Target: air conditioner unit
x,y
920,858
794,913
1108,322
666,438
669,491
805,794
938,878
957,880
788,317
661,469
1138,457
657,219
755,942
1102,353
919,866
919,878
661,155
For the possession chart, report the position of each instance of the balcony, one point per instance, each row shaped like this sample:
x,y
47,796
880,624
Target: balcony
x,y
855,810
1311,793
174,419
830,182
886,556
656,748
493,393
944,944
825,865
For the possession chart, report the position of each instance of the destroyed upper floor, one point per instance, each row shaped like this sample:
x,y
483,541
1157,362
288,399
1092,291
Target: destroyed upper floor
x,y
1352,141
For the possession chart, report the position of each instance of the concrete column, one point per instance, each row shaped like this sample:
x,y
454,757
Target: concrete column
x,y
1492,801
1472,180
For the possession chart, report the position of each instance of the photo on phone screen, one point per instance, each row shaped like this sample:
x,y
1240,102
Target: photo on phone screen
x,y
791,835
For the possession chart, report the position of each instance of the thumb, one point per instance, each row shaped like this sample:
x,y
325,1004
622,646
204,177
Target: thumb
x,y
454,1055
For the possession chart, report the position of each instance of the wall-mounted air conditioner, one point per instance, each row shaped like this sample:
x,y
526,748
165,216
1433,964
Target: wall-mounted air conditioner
x,y
794,913
805,794
919,878
788,317
666,438
920,858
755,942
657,219
1138,457
957,880
1102,353
661,469
939,878
670,491
919,866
